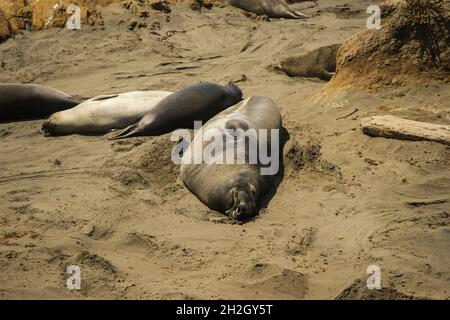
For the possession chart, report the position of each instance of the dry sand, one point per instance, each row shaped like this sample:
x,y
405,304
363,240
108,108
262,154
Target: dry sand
x,y
119,211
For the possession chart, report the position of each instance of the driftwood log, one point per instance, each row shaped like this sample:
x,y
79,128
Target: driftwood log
x,y
403,129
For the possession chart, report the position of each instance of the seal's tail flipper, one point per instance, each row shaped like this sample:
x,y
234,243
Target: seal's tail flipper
x,y
128,132
299,15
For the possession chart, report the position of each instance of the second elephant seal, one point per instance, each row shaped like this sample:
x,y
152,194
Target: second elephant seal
x,y
104,113
234,188
319,63
198,102
270,8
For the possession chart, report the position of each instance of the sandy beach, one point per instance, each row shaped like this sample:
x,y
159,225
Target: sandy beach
x,y
344,201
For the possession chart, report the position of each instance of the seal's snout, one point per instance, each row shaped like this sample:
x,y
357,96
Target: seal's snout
x,y
49,127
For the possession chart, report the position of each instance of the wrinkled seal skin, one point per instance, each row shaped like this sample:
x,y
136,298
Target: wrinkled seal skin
x,y
319,63
31,101
104,113
270,8
199,102
232,189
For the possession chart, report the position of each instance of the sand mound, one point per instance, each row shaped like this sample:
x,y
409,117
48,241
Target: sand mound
x,y
143,164
358,291
306,155
401,51
272,280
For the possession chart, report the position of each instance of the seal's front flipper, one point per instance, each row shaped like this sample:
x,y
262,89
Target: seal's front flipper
x,y
128,132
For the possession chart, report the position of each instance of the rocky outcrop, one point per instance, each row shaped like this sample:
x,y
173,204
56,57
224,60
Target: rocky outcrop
x,y
395,53
37,15
40,14
4,27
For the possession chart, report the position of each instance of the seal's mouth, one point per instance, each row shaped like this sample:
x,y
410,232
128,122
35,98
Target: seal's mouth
x,y
243,205
49,127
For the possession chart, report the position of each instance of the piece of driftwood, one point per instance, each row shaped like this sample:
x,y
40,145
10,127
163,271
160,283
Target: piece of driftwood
x,y
403,129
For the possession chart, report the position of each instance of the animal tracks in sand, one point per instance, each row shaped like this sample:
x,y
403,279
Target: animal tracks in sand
x,y
299,242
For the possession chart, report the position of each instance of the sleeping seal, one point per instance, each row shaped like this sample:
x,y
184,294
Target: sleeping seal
x,y
104,113
233,188
31,101
319,63
179,110
270,8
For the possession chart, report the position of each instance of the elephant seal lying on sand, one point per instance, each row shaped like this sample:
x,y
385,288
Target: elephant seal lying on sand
x,y
319,63
270,8
234,188
31,101
104,113
199,102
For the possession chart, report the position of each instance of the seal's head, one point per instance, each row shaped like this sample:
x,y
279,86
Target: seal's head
x,y
49,127
235,94
53,125
241,201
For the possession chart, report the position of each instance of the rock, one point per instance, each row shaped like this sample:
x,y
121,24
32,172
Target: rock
x,y
40,14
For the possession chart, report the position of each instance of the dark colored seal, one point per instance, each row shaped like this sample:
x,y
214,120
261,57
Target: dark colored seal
x,y
233,188
270,8
198,102
31,101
